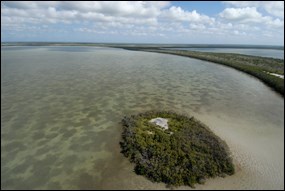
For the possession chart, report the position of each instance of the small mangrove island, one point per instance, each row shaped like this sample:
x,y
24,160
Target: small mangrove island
x,y
174,149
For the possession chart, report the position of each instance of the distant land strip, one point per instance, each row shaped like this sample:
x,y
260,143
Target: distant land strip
x,y
142,45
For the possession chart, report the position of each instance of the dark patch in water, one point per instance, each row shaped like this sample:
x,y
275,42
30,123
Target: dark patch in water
x,y
86,181
15,145
54,186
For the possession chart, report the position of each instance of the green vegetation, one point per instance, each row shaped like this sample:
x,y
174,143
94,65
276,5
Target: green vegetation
x,y
253,65
186,153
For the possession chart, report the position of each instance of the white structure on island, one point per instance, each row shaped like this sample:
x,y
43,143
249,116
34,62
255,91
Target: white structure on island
x,y
277,75
160,122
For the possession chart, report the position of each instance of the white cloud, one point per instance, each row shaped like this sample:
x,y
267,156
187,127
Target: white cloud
x,y
178,14
275,8
114,8
276,23
53,12
29,4
249,15
197,26
138,18
243,15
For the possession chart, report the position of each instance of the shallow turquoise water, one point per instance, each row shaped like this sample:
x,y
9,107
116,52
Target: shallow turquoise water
x,y
61,108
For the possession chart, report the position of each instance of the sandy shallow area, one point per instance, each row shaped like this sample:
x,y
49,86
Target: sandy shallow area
x,y
258,157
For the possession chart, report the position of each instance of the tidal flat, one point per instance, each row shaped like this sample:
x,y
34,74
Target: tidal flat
x,y
61,109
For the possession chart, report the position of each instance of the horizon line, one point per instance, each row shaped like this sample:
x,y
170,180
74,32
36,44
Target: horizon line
x,y
70,42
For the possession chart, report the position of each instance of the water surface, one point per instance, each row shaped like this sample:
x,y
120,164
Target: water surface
x,y
61,108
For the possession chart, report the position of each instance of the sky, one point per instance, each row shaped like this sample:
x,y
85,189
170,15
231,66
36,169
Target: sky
x,y
193,22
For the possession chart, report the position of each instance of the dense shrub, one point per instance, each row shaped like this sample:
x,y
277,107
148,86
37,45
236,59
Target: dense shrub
x,y
187,156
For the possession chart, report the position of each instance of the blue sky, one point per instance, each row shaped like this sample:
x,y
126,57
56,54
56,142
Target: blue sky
x,y
206,22
210,8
